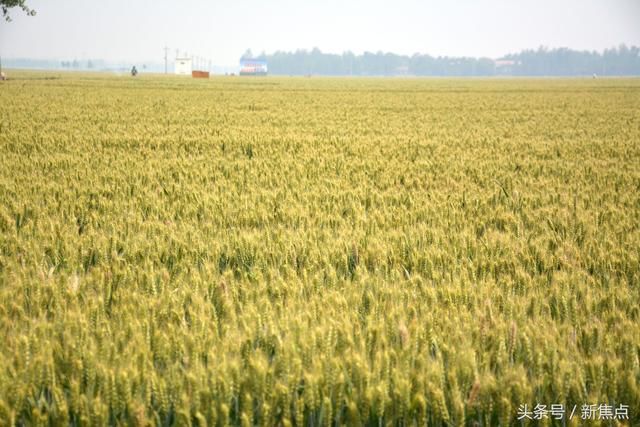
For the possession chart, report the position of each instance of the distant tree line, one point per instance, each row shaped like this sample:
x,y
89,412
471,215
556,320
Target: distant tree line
x,y
620,61
77,64
617,61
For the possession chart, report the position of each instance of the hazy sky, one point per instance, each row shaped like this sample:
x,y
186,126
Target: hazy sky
x,y
222,30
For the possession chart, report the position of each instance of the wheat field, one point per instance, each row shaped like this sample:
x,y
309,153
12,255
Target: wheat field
x,y
317,252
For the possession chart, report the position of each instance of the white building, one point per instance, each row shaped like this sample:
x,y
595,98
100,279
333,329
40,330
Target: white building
x,y
183,66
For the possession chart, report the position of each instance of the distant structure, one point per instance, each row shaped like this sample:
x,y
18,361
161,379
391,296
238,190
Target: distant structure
x,y
200,68
198,74
253,67
191,66
183,66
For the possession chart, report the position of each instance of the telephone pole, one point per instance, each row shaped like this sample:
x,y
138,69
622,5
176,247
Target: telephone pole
x,y
166,51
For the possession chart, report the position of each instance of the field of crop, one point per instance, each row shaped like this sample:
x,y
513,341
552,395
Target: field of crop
x,y
313,252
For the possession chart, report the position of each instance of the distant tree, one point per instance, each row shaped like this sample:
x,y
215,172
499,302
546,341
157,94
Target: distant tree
x,y
89,64
5,5
247,54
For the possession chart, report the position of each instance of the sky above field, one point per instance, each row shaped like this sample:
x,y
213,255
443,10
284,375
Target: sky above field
x,y
221,31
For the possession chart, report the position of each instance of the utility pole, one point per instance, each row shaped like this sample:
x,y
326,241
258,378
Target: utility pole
x,y
166,52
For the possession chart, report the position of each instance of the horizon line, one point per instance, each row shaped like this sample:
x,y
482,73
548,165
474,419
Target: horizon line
x,y
308,50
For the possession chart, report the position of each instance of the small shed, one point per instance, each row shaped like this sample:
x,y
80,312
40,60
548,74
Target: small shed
x,y
183,66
